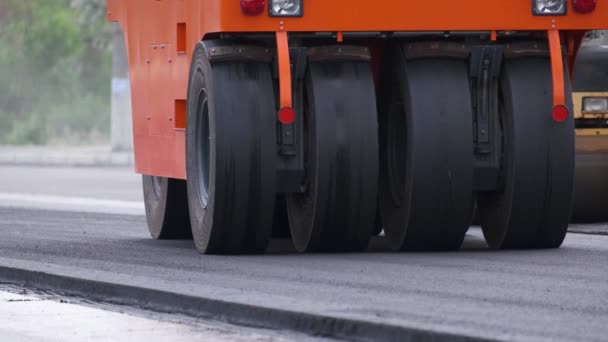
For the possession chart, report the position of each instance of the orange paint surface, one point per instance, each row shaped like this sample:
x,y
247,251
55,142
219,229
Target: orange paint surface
x,y
285,99
557,68
161,35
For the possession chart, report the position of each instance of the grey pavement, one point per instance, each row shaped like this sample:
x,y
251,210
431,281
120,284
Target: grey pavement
x,y
514,295
121,184
544,295
85,189
64,156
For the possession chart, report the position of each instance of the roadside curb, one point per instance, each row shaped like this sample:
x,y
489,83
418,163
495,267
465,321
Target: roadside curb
x,y
230,312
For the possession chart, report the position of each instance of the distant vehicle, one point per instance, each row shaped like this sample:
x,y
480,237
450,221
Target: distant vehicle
x,y
590,93
330,105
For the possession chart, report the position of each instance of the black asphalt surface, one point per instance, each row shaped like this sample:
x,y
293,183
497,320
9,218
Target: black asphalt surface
x,y
511,295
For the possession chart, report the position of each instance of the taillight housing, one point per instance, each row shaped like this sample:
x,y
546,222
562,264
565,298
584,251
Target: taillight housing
x,y
253,7
584,6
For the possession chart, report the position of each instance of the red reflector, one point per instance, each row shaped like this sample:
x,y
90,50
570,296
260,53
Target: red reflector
x,y
560,113
252,7
287,115
584,6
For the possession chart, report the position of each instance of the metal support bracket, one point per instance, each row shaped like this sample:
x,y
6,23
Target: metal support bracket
x,y
284,67
485,68
289,136
291,67
557,68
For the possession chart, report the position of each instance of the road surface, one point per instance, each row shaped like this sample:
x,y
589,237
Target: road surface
x,y
475,292
39,317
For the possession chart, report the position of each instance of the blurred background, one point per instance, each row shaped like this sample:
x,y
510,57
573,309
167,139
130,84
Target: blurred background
x,y
64,75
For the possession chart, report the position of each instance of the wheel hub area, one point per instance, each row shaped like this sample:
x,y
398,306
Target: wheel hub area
x,y
203,140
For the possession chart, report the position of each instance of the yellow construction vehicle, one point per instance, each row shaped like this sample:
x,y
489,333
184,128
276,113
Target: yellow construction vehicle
x,y
590,93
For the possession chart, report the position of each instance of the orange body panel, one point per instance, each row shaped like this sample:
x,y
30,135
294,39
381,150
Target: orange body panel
x,y
161,35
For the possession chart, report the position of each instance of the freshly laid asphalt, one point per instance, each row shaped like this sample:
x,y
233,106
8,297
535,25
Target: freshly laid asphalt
x,y
475,292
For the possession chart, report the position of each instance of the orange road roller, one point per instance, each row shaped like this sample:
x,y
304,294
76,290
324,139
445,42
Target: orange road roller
x,y
324,120
590,93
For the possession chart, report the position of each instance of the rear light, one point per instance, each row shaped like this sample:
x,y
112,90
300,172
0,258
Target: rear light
x,y
286,8
549,7
584,6
287,115
560,113
595,105
252,7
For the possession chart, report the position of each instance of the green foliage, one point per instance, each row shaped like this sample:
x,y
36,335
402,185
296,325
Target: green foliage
x,y
55,68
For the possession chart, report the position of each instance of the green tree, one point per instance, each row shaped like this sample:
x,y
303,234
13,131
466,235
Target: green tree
x,y
56,71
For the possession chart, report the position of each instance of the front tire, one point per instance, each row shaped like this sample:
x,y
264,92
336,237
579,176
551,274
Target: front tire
x,y
230,154
533,209
426,182
338,210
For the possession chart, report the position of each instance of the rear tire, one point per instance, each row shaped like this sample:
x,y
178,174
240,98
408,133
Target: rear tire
x,y
426,190
166,206
591,187
280,224
231,152
534,208
338,211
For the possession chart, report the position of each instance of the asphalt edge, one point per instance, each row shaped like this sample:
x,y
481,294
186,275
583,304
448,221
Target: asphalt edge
x,y
229,312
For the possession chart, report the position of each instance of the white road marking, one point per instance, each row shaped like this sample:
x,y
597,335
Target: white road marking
x,y
64,203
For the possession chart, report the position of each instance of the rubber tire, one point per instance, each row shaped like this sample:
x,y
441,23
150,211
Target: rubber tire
x,y
166,208
534,209
377,224
280,224
591,187
338,212
236,215
426,179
